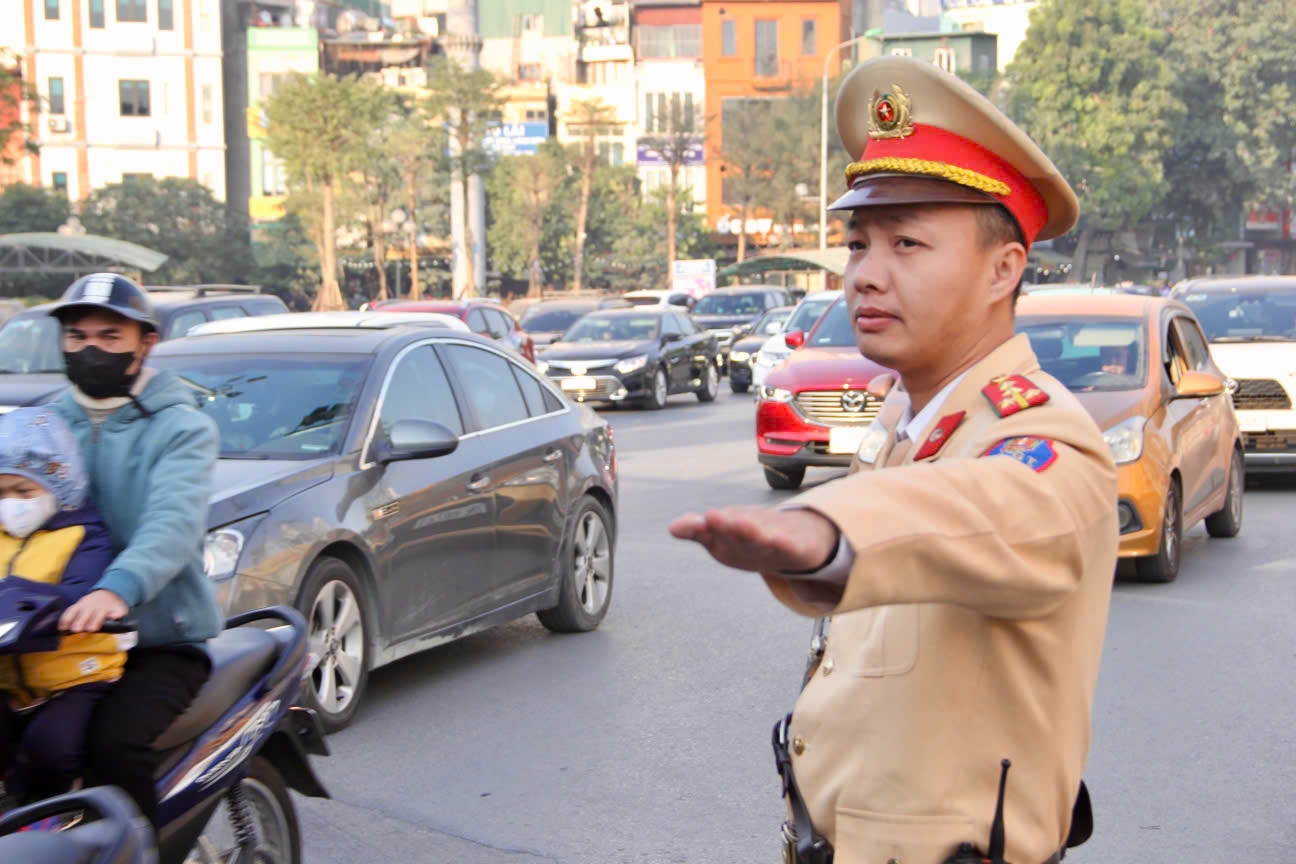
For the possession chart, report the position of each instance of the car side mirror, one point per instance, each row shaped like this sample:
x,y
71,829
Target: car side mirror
x,y
670,337
1195,385
794,339
417,439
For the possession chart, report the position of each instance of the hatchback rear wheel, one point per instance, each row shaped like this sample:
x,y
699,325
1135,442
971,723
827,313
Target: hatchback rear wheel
x,y
1228,521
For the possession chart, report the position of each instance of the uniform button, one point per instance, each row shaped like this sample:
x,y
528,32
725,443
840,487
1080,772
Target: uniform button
x,y
828,665
798,746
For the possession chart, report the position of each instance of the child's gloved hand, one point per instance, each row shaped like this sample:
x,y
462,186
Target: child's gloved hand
x,y
88,614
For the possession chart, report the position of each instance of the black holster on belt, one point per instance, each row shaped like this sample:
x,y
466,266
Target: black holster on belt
x,y
801,845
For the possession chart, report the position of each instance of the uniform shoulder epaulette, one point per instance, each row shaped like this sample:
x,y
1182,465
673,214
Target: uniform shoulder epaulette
x,y
1009,394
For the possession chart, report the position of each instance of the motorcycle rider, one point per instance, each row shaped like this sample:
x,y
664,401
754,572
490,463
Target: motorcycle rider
x,y
150,454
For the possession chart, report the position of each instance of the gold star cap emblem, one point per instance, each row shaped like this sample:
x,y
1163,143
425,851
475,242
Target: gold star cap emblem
x,y
889,114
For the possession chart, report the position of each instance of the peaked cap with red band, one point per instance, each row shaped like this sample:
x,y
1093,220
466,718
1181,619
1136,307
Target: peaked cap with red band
x,y
922,135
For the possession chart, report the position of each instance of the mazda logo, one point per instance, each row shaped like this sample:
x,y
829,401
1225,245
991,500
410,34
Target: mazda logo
x,y
853,401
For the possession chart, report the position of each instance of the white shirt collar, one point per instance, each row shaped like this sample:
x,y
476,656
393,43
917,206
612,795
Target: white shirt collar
x,y
911,426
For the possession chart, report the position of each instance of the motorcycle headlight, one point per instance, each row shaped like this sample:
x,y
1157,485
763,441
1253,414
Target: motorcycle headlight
x,y
1126,439
631,364
740,356
775,394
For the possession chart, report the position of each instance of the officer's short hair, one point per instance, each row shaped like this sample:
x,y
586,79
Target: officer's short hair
x,y
996,226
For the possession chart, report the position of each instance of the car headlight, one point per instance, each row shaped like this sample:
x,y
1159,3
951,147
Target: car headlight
x,y
221,552
631,364
1126,439
775,394
740,356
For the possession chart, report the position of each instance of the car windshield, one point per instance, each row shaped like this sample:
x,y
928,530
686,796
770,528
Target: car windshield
x,y
771,322
1260,316
30,344
1090,354
834,329
273,406
540,320
601,328
730,304
807,313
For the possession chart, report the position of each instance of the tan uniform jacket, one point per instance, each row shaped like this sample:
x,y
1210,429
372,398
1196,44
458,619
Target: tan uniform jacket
x,y
970,630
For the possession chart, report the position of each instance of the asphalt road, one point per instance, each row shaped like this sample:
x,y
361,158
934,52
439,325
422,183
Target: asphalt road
x,y
647,742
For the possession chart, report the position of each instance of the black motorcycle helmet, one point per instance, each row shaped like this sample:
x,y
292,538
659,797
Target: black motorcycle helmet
x,y
109,291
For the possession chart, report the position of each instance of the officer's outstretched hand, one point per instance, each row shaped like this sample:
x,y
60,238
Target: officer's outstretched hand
x,y
761,539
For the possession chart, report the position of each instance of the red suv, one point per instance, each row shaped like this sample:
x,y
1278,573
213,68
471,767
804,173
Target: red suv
x,y
813,409
487,319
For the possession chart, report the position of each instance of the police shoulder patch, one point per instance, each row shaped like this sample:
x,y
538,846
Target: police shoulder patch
x,y
1009,394
1035,453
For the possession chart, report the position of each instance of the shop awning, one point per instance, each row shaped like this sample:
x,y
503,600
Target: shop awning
x,y
792,260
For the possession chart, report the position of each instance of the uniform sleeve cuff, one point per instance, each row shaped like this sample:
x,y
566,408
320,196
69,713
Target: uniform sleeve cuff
x,y
835,571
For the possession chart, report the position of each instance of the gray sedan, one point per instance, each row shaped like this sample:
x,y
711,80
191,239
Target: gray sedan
x,y
402,485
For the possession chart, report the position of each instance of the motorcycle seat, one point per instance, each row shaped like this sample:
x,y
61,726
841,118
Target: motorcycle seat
x,y
240,656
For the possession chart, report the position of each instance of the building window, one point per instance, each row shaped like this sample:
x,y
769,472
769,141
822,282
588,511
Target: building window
x,y
674,40
767,48
944,58
529,72
134,98
136,178
207,103
97,14
166,16
51,10
131,10
729,38
540,115
60,181
274,178
56,95
808,37
901,51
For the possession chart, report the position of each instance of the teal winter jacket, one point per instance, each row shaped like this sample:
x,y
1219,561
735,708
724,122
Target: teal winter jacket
x,y
150,475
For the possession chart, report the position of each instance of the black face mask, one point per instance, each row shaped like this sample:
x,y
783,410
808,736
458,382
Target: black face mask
x,y
100,374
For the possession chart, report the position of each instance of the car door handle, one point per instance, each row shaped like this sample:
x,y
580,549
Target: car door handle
x,y
477,484
553,455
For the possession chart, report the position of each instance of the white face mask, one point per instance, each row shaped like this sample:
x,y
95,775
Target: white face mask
x,y
21,516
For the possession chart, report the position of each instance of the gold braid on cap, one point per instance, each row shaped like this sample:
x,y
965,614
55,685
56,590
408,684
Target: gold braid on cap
x,y
952,173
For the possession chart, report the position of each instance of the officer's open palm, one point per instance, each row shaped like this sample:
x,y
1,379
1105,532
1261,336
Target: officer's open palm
x,y
760,539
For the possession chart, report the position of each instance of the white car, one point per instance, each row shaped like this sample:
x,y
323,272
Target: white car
x,y
1250,322
655,297
776,350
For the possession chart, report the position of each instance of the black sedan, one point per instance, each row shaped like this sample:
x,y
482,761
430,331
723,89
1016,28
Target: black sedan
x,y
640,356
399,484
742,354
548,320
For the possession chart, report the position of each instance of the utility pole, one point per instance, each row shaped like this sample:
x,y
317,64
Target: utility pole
x,y
462,44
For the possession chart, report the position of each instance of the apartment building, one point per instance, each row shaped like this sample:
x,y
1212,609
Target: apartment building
x,y
671,83
126,88
760,49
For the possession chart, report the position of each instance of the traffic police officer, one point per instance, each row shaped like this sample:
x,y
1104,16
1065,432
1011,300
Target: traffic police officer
x,y
967,580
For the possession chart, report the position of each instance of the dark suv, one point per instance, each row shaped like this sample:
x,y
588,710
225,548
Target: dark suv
x,y
729,313
31,351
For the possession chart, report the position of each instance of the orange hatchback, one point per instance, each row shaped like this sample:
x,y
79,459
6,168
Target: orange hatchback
x,y
1141,367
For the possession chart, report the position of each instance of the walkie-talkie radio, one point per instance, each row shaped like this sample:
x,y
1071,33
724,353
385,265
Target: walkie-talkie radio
x,y
966,853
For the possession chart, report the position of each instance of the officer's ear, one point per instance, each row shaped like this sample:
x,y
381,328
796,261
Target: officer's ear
x,y
1008,264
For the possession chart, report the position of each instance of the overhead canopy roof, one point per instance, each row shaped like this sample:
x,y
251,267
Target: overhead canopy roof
x,y
73,253
833,260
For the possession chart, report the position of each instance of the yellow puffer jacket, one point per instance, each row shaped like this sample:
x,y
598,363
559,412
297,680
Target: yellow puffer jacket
x,y
72,552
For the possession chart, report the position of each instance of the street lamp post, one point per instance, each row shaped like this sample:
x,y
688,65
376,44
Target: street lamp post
x,y
823,139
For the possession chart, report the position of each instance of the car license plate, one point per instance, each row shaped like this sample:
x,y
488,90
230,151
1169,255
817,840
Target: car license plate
x,y
1248,422
579,382
846,439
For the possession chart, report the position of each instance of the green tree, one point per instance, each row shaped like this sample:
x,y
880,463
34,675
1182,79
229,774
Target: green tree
x,y
179,217
1234,68
676,146
15,140
589,120
527,219
465,101
750,159
1092,85
414,148
379,180
313,128
30,208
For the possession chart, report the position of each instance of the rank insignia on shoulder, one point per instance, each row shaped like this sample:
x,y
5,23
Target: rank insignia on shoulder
x,y
939,435
1035,453
1009,394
